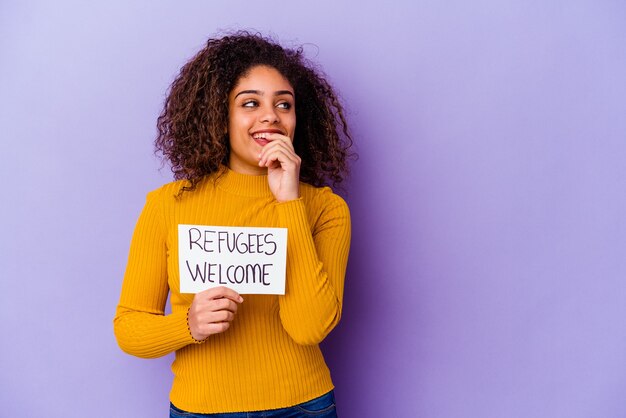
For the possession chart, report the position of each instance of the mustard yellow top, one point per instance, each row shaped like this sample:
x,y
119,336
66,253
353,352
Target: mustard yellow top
x,y
269,357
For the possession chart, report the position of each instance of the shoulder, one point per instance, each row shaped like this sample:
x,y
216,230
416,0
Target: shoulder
x,y
320,195
166,192
173,192
322,202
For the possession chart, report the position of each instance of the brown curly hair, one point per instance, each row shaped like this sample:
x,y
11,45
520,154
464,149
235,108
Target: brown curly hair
x,y
193,124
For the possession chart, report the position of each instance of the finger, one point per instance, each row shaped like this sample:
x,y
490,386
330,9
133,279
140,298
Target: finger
x,y
277,146
215,328
221,316
211,314
221,292
270,148
273,137
219,327
278,139
285,159
288,153
223,304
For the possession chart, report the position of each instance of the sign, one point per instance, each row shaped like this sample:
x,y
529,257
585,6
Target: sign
x,y
247,260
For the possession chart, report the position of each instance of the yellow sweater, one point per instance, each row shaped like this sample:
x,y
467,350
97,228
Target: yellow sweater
x,y
269,357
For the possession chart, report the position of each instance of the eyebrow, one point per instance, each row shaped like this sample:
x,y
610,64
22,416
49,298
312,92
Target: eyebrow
x,y
260,93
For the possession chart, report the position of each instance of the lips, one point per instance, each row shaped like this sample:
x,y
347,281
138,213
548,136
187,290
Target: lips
x,y
260,136
262,142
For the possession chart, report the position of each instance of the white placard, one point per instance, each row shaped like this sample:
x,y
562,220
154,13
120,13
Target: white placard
x,y
247,260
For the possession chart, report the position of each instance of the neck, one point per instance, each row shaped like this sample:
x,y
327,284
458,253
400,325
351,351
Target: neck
x,y
251,170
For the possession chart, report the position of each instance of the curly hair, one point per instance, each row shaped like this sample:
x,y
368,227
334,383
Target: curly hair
x,y
193,124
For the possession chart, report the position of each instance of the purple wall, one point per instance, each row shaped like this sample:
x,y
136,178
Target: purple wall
x,y
487,275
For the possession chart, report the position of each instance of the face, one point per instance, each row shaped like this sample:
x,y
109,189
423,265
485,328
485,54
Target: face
x,y
262,102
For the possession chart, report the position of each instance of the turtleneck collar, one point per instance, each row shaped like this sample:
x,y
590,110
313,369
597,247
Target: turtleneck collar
x,y
243,184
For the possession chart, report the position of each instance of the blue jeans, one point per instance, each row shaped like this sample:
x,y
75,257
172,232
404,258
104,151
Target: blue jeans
x,y
322,407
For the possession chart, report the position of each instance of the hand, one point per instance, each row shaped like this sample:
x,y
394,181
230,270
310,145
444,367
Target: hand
x,y
283,167
212,311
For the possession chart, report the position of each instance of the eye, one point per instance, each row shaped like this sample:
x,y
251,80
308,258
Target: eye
x,y
284,105
249,103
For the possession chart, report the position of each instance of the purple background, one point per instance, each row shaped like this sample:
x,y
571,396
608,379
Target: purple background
x,y
487,274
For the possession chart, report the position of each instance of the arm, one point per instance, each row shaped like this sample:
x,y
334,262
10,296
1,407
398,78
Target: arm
x,y
316,260
316,266
140,326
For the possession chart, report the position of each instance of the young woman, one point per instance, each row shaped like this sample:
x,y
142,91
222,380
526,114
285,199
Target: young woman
x,y
253,134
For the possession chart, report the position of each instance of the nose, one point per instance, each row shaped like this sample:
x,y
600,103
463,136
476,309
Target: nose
x,y
269,115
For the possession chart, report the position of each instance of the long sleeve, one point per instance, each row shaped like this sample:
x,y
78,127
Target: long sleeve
x,y
316,266
269,357
140,326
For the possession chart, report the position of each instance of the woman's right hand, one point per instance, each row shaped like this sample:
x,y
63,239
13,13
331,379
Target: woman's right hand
x,y
212,311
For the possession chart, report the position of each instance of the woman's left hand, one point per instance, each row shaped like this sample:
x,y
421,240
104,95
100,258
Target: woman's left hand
x,y
283,167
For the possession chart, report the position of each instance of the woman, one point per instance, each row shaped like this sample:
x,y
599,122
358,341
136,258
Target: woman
x,y
253,133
